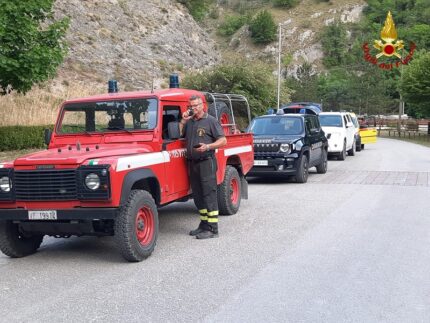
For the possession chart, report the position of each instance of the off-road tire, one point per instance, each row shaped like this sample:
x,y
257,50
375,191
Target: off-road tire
x,y
16,244
351,152
136,227
322,167
229,192
222,113
303,170
358,145
342,154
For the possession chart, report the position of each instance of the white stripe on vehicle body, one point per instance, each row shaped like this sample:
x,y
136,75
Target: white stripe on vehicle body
x,y
237,150
138,161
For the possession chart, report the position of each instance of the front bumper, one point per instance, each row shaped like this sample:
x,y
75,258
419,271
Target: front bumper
x,y
275,166
67,215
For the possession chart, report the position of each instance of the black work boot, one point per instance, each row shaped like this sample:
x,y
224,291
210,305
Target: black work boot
x,y
203,226
212,232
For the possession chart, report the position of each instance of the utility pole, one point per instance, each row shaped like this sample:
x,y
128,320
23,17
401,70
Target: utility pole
x,y
279,62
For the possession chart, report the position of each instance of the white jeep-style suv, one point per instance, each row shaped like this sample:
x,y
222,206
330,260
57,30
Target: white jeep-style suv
x,y
340,132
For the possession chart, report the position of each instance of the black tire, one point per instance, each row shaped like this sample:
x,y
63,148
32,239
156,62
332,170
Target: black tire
x,y
351,152
303,170
358,145
322,167
136,227
14,243
223,114
229,192
362,146
342,154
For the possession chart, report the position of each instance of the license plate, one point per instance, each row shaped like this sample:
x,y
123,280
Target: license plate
x,y
42,215
261,163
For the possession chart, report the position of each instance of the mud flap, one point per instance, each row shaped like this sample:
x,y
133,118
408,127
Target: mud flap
x,y
244,186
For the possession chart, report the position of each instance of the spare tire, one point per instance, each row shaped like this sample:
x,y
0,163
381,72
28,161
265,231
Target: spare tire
x,y
221,111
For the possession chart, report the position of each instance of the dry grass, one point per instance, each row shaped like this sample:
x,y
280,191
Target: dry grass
x,y
40,105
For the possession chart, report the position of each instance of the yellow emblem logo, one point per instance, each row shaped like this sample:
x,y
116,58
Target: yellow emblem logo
x,y
389,35
388,47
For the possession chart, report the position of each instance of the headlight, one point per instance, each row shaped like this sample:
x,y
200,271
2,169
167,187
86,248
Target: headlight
x,y
285,148
92,181
5,184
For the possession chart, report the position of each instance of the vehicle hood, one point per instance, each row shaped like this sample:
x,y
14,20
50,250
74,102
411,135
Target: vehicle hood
x,y
276,139
75,156
332,129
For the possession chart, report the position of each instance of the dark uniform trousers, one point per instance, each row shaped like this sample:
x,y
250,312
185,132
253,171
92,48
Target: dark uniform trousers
x,y
204,186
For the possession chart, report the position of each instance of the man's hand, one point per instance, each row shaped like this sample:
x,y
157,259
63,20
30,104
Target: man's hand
x,y
202,148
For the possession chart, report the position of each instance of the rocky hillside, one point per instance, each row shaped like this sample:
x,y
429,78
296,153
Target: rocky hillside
x,y
139,41
132,40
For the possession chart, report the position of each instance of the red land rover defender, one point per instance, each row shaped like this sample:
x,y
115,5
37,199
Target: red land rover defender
x,y
111,161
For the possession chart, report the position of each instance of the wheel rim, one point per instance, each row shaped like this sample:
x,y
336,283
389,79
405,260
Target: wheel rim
x,y
234,191
224,119
144,226
305,169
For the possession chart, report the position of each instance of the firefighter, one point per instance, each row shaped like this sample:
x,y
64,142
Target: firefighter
x,y
203,134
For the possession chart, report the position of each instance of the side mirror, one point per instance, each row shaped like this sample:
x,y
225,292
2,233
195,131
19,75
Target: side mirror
x,y
48,135
173,130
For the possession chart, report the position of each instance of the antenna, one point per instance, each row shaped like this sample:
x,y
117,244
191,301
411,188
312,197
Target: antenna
x,y
153,73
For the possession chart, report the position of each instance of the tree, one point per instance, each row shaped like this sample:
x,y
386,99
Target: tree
x,y
263,28
32,44
415,83
249,78
334,42
305,85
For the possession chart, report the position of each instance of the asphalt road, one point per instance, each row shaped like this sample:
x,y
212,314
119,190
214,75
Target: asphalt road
x,y
348,246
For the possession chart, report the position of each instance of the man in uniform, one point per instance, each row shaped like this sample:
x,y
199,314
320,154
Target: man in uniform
x,y
203,134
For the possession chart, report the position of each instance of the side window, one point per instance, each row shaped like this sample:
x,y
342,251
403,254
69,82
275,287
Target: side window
x,y
317,123
170,113
308,123
345,120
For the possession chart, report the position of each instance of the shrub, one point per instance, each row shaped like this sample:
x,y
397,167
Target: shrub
x,y
22,137
263,28
198,8
231,24
285,3
254,80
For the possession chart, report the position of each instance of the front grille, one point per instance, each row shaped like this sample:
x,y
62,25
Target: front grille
x,y
44,185
266,148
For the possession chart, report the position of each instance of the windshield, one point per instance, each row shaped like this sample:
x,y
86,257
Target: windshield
x,y
105,116
330,120
277,126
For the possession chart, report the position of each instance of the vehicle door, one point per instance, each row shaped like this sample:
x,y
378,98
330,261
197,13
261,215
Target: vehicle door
x,y
315,140
177,182
350,129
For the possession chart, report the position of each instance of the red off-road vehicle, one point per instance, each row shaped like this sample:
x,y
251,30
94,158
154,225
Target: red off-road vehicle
x,y
111,161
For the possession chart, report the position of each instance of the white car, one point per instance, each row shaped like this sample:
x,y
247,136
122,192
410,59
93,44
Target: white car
x,y
340,132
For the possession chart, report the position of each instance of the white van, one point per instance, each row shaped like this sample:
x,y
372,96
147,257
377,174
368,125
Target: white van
x,y
340,132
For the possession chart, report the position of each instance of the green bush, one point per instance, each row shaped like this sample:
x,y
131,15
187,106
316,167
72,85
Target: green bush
x,y
22,137
285,3
252,79
263,28
231,24
198,8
